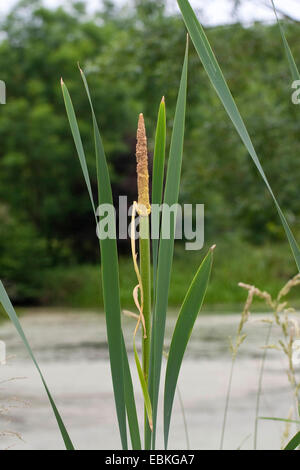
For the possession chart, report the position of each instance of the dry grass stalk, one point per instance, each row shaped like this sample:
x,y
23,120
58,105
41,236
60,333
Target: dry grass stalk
x,y
4,414
287,430
281,316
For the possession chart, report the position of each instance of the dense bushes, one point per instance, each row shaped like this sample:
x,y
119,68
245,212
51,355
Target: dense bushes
x,y
131,59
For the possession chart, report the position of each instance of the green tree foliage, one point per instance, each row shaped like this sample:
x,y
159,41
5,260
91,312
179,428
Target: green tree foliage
x,y
131,58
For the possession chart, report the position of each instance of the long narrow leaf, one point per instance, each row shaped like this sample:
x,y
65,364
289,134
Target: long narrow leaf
x,y
7,305
279,419
157,193
158,174
129,394
110,277
109,264
294,442
183,330
292,64
143,383
77,140
217,79
130,404
166,247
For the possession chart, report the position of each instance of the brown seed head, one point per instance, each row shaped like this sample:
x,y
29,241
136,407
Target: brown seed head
x,y
144,207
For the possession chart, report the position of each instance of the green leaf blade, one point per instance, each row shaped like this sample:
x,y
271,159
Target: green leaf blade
x,y
130,404
292,63
8,307
294,442
166,246
188,313
77,140
109,262
283,420
147,400
157,194
218,81
158,173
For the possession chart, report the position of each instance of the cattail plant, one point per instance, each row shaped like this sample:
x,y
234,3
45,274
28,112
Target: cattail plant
x,y
151,315
151,292
143,208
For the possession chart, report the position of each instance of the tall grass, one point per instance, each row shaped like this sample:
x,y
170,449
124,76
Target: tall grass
x,y
282,316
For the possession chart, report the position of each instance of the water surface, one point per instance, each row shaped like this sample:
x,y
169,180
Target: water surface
x,y
72,351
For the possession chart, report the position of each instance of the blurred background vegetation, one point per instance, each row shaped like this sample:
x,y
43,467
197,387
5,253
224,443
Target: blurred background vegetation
x,y
48,245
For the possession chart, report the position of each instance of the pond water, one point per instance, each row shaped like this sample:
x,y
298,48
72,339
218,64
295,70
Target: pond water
x,y
72,351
